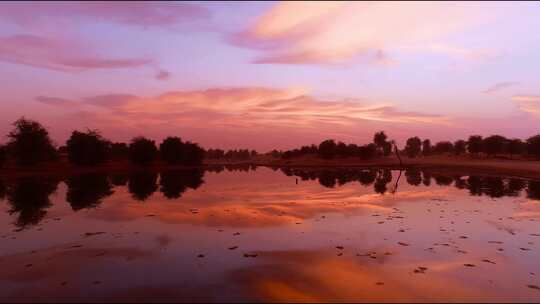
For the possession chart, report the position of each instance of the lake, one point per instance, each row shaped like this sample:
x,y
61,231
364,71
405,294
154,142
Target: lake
x,y
262,234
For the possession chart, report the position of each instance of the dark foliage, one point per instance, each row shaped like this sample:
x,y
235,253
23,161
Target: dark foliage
x,y
87,148
29,197
460,147
413,147
443,147
119,151
475,144
3,156
29,142
142,151
174,183
142,184
426,147
327,149
494,144
533,146
87,191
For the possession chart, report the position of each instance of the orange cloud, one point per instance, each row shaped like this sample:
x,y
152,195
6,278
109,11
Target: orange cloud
x,y
528,103
263,111
335,32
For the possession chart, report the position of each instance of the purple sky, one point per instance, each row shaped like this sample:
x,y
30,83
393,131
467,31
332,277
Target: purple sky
x,y
268,74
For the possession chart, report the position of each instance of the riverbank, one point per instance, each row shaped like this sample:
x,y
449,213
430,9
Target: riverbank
x,y
443,164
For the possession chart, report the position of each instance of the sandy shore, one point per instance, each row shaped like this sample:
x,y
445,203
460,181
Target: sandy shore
x,y
450,164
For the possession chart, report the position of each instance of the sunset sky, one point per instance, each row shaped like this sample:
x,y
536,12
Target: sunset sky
x,y
267,75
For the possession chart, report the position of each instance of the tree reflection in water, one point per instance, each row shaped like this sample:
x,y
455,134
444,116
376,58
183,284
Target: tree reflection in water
x,y
142,184
88,190
174,183
29,198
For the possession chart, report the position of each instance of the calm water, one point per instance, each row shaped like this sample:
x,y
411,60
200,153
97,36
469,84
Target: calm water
x,y
265,235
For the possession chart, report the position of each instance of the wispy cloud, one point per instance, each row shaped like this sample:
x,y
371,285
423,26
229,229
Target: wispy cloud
x,y
337,32
140,14
59,55
499,86
58,102
265,112
528,103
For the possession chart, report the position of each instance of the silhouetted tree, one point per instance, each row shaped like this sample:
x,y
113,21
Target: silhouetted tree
x,y
533,146
413,146
426,147
142,184
379,139
494,144
475,144
142,151
30,143
119,151
87,149
443,147
174,183
29,197
87,190
515,146
414,177
387,148
327,149
172,150
475,185
367,151
460,147
193,154
3,155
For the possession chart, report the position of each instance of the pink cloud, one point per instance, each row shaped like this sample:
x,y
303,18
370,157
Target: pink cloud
x,y
143,14
528,103
338,32
59,55
231,117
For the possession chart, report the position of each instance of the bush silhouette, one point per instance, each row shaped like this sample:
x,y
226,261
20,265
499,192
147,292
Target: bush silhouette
x,y
30,143
533,146
426,147
413,147
475,144
327,149
87,148
172,150
3,156
443,147
87,190
515,146
494,144
119,151
460,147
142,151
142,184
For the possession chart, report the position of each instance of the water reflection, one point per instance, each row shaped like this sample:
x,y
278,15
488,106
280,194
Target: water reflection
x,y
88,190
142,184
174,183
28,198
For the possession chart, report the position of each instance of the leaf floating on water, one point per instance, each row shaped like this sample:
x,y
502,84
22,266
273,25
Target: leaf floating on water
x,y
233,248
200,256
339,247
533,287
403,244
534,234
469,265
525,249
488,261
236,233
379,283
252,255
495,242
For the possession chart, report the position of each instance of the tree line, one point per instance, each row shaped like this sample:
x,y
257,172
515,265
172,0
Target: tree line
x,y
476,145
29,144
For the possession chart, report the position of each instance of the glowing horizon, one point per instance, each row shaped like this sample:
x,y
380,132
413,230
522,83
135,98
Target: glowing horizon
x,y
272,75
